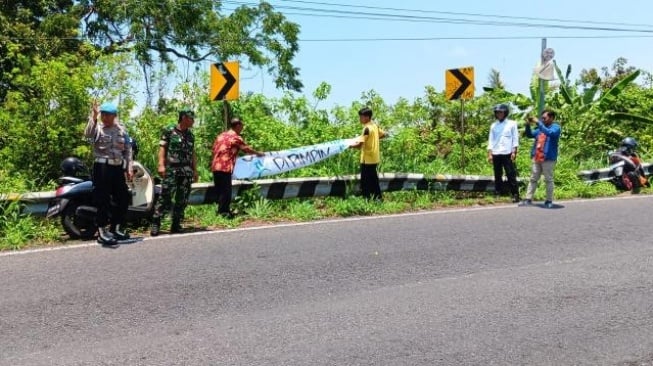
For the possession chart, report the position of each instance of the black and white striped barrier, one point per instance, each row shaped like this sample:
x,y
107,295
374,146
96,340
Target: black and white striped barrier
x,y
204,193
597,175
36,203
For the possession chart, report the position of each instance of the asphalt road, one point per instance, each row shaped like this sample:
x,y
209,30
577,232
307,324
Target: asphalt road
x,y
481,286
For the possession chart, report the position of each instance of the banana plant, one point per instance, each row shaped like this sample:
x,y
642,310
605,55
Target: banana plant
x,y
523,103
583,102
590,114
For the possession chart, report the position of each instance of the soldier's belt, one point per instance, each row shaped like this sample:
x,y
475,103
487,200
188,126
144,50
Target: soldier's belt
x,y
114,162
179,165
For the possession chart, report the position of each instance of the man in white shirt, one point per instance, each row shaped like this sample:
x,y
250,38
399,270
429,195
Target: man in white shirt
x,y
502,150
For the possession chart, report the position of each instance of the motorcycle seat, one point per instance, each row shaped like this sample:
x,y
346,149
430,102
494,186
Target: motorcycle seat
x,y
68,180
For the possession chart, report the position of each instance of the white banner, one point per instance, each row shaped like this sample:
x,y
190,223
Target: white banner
x,y
276,162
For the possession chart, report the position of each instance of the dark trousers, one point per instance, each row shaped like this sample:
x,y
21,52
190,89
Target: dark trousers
x,y
501,163
370,187
222,183
110,194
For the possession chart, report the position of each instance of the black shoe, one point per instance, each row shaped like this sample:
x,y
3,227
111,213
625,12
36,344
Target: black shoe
x,y
119,233
227,215
110,243
176,228
106,238
156,227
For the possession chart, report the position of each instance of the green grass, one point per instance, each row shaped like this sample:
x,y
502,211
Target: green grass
x,y
18,230
301,210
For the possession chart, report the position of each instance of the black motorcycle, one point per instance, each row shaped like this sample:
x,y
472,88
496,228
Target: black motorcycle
x,y
74,198
626,171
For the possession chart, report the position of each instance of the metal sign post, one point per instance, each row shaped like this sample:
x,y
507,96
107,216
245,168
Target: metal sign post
x,y
462,134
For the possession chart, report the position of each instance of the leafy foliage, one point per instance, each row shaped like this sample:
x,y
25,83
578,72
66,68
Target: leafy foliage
x,y
34,32
596,121
38,132
195,30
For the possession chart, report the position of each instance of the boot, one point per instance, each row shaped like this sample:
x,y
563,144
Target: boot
x,y
176,228
119,233
105,237
156,226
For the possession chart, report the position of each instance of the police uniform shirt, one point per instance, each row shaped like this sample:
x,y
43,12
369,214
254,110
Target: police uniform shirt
x,y
110,142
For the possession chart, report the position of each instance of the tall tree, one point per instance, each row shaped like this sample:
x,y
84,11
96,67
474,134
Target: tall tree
x,y
152,30
195,30
50,51
609,76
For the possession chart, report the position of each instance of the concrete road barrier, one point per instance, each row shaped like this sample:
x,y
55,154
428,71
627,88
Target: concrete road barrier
x,y
36,203
596,175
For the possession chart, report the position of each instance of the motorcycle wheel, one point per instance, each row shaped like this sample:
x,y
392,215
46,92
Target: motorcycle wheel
x,y
618,183
636,185
627,183
75,227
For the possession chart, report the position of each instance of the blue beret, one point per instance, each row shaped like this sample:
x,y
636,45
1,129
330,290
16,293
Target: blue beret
x,y
109,108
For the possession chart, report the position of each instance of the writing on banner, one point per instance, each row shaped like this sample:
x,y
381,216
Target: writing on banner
x,y
277,162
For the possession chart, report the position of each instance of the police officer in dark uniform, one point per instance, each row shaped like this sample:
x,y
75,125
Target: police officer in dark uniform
x,y
177,165
112,168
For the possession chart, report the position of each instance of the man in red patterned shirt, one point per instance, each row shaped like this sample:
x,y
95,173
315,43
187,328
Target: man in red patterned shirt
x,y
225,150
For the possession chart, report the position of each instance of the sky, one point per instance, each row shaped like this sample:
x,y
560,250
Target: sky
x,y
397,69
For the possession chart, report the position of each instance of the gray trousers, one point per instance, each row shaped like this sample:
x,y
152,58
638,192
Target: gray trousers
x,y
537,169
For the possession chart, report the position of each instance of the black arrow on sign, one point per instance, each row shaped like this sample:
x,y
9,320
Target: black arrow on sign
x,y
464,83
230,81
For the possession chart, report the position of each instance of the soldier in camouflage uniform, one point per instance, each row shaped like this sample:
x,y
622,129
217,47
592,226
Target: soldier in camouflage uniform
x,y
178,167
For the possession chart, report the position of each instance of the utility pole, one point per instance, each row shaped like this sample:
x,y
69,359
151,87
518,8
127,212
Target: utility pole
x,y
540,105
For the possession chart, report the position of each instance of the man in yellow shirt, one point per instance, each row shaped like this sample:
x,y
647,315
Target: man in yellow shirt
x,y
370,154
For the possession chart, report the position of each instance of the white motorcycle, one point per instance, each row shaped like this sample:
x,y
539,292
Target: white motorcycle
x,y
74,198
